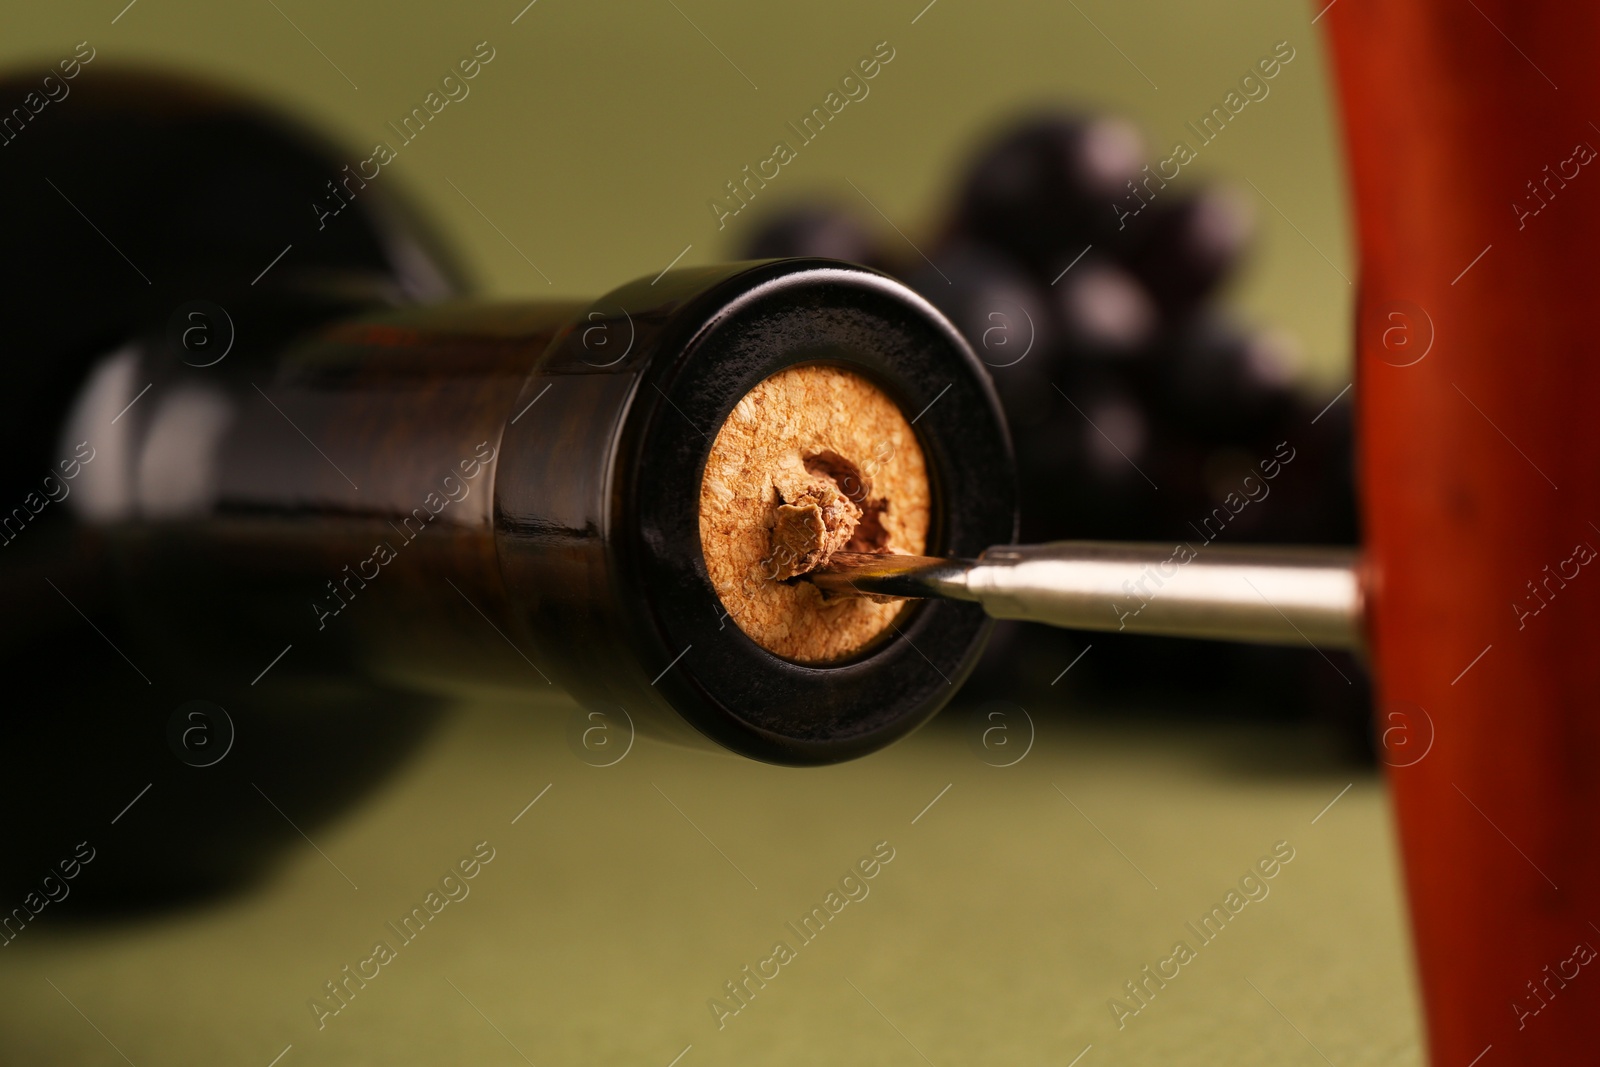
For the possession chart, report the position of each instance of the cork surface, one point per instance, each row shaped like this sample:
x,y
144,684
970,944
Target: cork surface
x,y
813,460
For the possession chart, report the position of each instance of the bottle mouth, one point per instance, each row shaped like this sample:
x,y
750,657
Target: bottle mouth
x,y
807,388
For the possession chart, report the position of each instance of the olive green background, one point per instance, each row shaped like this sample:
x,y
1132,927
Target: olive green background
x,y
619,903
599,132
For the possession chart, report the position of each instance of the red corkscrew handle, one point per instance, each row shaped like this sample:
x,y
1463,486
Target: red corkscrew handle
x,y
1472,156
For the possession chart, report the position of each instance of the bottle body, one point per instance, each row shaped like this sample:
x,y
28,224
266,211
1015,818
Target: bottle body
x,y
469,496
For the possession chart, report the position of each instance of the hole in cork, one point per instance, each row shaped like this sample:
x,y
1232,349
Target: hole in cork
x,y
869,535
834,511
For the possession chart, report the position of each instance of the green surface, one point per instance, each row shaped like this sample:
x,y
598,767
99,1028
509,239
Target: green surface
x,y
607,920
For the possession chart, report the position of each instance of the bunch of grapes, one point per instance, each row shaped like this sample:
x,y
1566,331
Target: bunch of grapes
x,y
1141,410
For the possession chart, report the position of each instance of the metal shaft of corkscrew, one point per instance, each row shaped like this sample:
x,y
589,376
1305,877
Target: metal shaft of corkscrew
x,y
1262,594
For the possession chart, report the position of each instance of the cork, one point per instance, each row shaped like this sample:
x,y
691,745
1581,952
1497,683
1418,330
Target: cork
x,y
812,461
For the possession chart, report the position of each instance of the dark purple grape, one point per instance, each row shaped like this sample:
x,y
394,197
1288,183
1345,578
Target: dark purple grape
x,y
1103,310
1047,188
1004,316
1091,469
816,230
1224,383
1184,249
